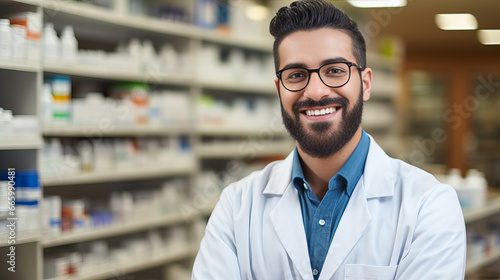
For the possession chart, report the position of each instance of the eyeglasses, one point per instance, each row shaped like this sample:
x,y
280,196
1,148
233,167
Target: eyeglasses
x,y
333,75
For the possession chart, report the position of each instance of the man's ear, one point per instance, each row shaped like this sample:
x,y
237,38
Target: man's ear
x,y
366,79
277,85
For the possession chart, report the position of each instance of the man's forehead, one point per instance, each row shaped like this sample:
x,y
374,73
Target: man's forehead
x,y
315,46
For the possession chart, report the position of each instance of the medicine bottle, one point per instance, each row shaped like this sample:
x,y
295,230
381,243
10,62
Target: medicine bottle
x,y
69,44
51,42
5,39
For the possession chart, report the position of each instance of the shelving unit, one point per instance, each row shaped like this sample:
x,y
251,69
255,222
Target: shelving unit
x,y
243,150
185,167
116,74
475,266
492,207
114,131
19,66
20,143
217,130
114,230
116,270
107,26
471,216
21,238
236,87
91,15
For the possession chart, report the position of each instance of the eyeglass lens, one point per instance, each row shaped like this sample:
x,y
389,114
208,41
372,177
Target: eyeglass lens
x,y
332,75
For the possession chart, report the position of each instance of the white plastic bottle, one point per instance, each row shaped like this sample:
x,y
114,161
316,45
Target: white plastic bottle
x,y
47,104
5,39
6,123
18,41
69,45
477,188
454,179
51,42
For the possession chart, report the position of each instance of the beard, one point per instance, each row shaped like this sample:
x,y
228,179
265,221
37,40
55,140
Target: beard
x,y
322,143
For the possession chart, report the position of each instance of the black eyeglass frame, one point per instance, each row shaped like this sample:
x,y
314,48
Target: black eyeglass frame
x,y
310,71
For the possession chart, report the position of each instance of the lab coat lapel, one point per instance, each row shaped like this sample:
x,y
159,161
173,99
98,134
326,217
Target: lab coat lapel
x,y
286,218
354,221
377,181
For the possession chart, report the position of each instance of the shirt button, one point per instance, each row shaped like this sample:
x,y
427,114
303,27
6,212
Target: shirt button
x,y
322,222
305,186
315,272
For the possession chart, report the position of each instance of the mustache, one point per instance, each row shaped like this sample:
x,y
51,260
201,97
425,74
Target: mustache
x,y
322,102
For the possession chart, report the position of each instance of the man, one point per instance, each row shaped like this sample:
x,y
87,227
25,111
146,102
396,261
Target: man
x,y
337,207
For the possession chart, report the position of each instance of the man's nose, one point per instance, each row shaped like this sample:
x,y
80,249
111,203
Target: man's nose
x,y
316,89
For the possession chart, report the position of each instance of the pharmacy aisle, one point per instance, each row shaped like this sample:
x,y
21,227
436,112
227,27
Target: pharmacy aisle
x,y
119,130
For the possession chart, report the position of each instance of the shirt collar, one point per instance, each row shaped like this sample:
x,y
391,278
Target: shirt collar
x,y
351,171
297,173
353,168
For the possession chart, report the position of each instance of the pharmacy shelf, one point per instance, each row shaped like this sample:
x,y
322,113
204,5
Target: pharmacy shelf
x,y
20,143
22,237
226,130
24,66
94,15
27,2
102,16
246,149
113,131
155,78
116,74
115,230
179,167
473,266
492,207
383,62
182,251
239,87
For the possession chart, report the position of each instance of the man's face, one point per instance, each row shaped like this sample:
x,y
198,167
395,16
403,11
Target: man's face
x,y
321,135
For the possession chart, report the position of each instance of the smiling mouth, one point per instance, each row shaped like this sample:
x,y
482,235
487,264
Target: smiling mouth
x,y
320,112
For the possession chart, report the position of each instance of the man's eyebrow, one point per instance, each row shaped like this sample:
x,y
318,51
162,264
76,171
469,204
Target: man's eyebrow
x,y
334,60
326,61
295,65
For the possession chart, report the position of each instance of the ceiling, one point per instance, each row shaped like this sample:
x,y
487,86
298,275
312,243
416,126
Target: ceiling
x,y
415,25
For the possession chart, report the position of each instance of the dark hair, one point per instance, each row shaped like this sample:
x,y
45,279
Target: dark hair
x,y
314,14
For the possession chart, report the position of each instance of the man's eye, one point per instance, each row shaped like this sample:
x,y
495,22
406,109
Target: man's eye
x,y
335,71
296,75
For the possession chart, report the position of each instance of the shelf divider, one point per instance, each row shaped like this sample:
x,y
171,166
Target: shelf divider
x,y
169,169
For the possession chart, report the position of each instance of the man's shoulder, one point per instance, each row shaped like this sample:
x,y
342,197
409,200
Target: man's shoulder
x,y
405,177
416,180
256,182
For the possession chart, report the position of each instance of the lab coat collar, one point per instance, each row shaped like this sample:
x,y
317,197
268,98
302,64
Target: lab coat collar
x,y
378,178
377,181
286,218
281,177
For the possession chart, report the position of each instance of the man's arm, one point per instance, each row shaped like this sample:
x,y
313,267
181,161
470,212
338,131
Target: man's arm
x,y
438,247
217,257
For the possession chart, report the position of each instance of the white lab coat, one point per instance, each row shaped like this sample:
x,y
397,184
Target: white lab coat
x,y
400,223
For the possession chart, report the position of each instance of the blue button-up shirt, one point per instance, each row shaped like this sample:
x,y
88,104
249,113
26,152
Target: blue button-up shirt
x,y
321,218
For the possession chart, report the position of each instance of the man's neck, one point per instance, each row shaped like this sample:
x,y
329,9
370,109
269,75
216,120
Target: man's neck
x,y
319,171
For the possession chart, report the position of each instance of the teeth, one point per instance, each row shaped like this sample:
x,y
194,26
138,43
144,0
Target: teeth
x,y
321,112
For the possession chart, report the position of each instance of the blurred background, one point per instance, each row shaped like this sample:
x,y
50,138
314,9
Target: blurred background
x,y
122,120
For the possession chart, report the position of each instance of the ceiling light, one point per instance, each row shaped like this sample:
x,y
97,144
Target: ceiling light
x,y
377,3
456,21
489,36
